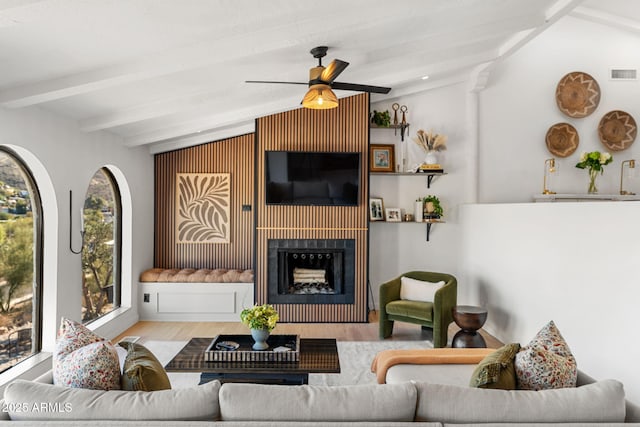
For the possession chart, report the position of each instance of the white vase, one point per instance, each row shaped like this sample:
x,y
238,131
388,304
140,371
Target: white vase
x,y
260,337
417,212
431,158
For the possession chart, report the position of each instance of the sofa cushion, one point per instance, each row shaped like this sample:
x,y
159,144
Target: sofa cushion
x,y
142,370
546,362
418,290
254,402
415,309
602,401
497,370
83,359
24,399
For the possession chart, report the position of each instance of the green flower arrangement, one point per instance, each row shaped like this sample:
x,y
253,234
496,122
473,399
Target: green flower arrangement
x,y
260,317
595,161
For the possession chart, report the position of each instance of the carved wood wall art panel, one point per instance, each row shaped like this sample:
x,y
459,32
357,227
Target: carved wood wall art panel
x,y
202,207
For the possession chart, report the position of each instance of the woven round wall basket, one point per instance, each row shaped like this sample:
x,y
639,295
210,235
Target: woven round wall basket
x,y
577,94
617,130
562,139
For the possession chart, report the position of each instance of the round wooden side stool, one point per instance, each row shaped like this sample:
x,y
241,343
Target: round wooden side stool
x,y
469,318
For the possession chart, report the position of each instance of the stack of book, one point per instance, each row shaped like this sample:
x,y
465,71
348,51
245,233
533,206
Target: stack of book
x,y
425,168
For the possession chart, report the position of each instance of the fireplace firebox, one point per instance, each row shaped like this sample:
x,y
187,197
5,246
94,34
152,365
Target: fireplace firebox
x,y
311,271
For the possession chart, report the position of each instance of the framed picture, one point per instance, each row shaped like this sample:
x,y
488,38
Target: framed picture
x,y
393,214
376,209
381,158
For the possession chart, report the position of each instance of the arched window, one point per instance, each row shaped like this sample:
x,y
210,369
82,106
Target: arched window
x,y
20,261
101,253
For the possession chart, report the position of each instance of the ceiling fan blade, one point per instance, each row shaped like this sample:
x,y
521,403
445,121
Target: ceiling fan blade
x,y
333,70
360,88
283,83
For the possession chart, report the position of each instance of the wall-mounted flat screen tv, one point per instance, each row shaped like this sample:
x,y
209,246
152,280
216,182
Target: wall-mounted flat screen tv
x,y
312,178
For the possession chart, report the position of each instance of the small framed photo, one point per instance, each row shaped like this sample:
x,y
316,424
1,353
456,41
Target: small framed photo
x,y
381,158
393,214
376,209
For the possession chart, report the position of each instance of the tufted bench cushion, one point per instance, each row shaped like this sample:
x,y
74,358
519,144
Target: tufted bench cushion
x,y
192,275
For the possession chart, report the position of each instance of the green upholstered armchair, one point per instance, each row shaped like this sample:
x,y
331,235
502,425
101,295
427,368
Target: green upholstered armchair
x,y
436,315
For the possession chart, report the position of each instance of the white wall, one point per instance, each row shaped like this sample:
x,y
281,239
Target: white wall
x,y
573,263
518,107
397,248
64,158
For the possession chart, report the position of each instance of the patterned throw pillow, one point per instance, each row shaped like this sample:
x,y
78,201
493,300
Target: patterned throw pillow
x,y
546,362
82,359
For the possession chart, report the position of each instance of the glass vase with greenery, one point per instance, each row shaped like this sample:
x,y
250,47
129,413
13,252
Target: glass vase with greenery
x,y
595,162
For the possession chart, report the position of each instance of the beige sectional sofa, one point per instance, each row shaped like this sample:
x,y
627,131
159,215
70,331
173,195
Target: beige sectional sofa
x,y
36,403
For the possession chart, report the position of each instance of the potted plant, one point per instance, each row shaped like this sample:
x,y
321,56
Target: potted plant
x,y
261,319
381,118
432,207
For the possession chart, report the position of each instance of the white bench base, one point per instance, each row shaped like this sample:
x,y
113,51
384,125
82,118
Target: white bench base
x,y
195,302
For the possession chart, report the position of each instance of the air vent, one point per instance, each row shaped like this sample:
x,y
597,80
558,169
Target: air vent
x,y
624,74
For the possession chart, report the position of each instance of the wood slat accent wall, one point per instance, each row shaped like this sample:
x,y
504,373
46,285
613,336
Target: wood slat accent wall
x,y
234,156
345,128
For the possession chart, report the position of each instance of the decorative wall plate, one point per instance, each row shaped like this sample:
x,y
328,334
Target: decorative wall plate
x,y
562,139
577,94
617,130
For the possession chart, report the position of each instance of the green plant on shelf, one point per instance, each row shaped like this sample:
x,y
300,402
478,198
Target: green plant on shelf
x,y
432,207
381,118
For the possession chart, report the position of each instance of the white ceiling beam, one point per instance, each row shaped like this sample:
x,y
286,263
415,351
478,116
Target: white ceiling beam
x,y
267,38
552,15
204,137
213,121
448,64
615,21
421,86
455,36
556,11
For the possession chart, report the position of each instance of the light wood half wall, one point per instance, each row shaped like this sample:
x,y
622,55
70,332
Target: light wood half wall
x,y
234,156
345,128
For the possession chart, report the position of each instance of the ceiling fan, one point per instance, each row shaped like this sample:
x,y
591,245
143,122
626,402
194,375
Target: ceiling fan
x,y
322,80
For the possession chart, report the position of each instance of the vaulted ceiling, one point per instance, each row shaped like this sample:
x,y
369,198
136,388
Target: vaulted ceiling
x,y
171,73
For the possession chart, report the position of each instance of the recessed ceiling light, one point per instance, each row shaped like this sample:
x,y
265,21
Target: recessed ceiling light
x,y
425,77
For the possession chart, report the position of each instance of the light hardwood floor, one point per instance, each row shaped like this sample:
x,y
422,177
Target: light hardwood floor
x,y
341,331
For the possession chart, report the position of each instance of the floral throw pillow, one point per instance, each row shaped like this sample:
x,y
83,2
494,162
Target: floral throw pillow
x,y
83,359
546,362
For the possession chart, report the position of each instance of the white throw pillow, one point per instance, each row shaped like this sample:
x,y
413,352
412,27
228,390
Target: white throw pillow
x,y
418,290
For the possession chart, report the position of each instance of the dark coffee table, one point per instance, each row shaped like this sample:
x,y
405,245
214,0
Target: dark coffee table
x,y
317,356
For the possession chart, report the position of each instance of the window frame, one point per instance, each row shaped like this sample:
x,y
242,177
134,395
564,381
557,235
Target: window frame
x,y
117,241
37,303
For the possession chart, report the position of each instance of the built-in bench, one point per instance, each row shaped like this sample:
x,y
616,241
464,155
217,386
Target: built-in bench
x,y
215,295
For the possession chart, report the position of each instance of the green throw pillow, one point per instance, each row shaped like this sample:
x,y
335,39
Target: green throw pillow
x,y
142,371
497,370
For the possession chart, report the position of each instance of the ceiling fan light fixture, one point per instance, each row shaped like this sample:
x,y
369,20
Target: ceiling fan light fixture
x,y
320,97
